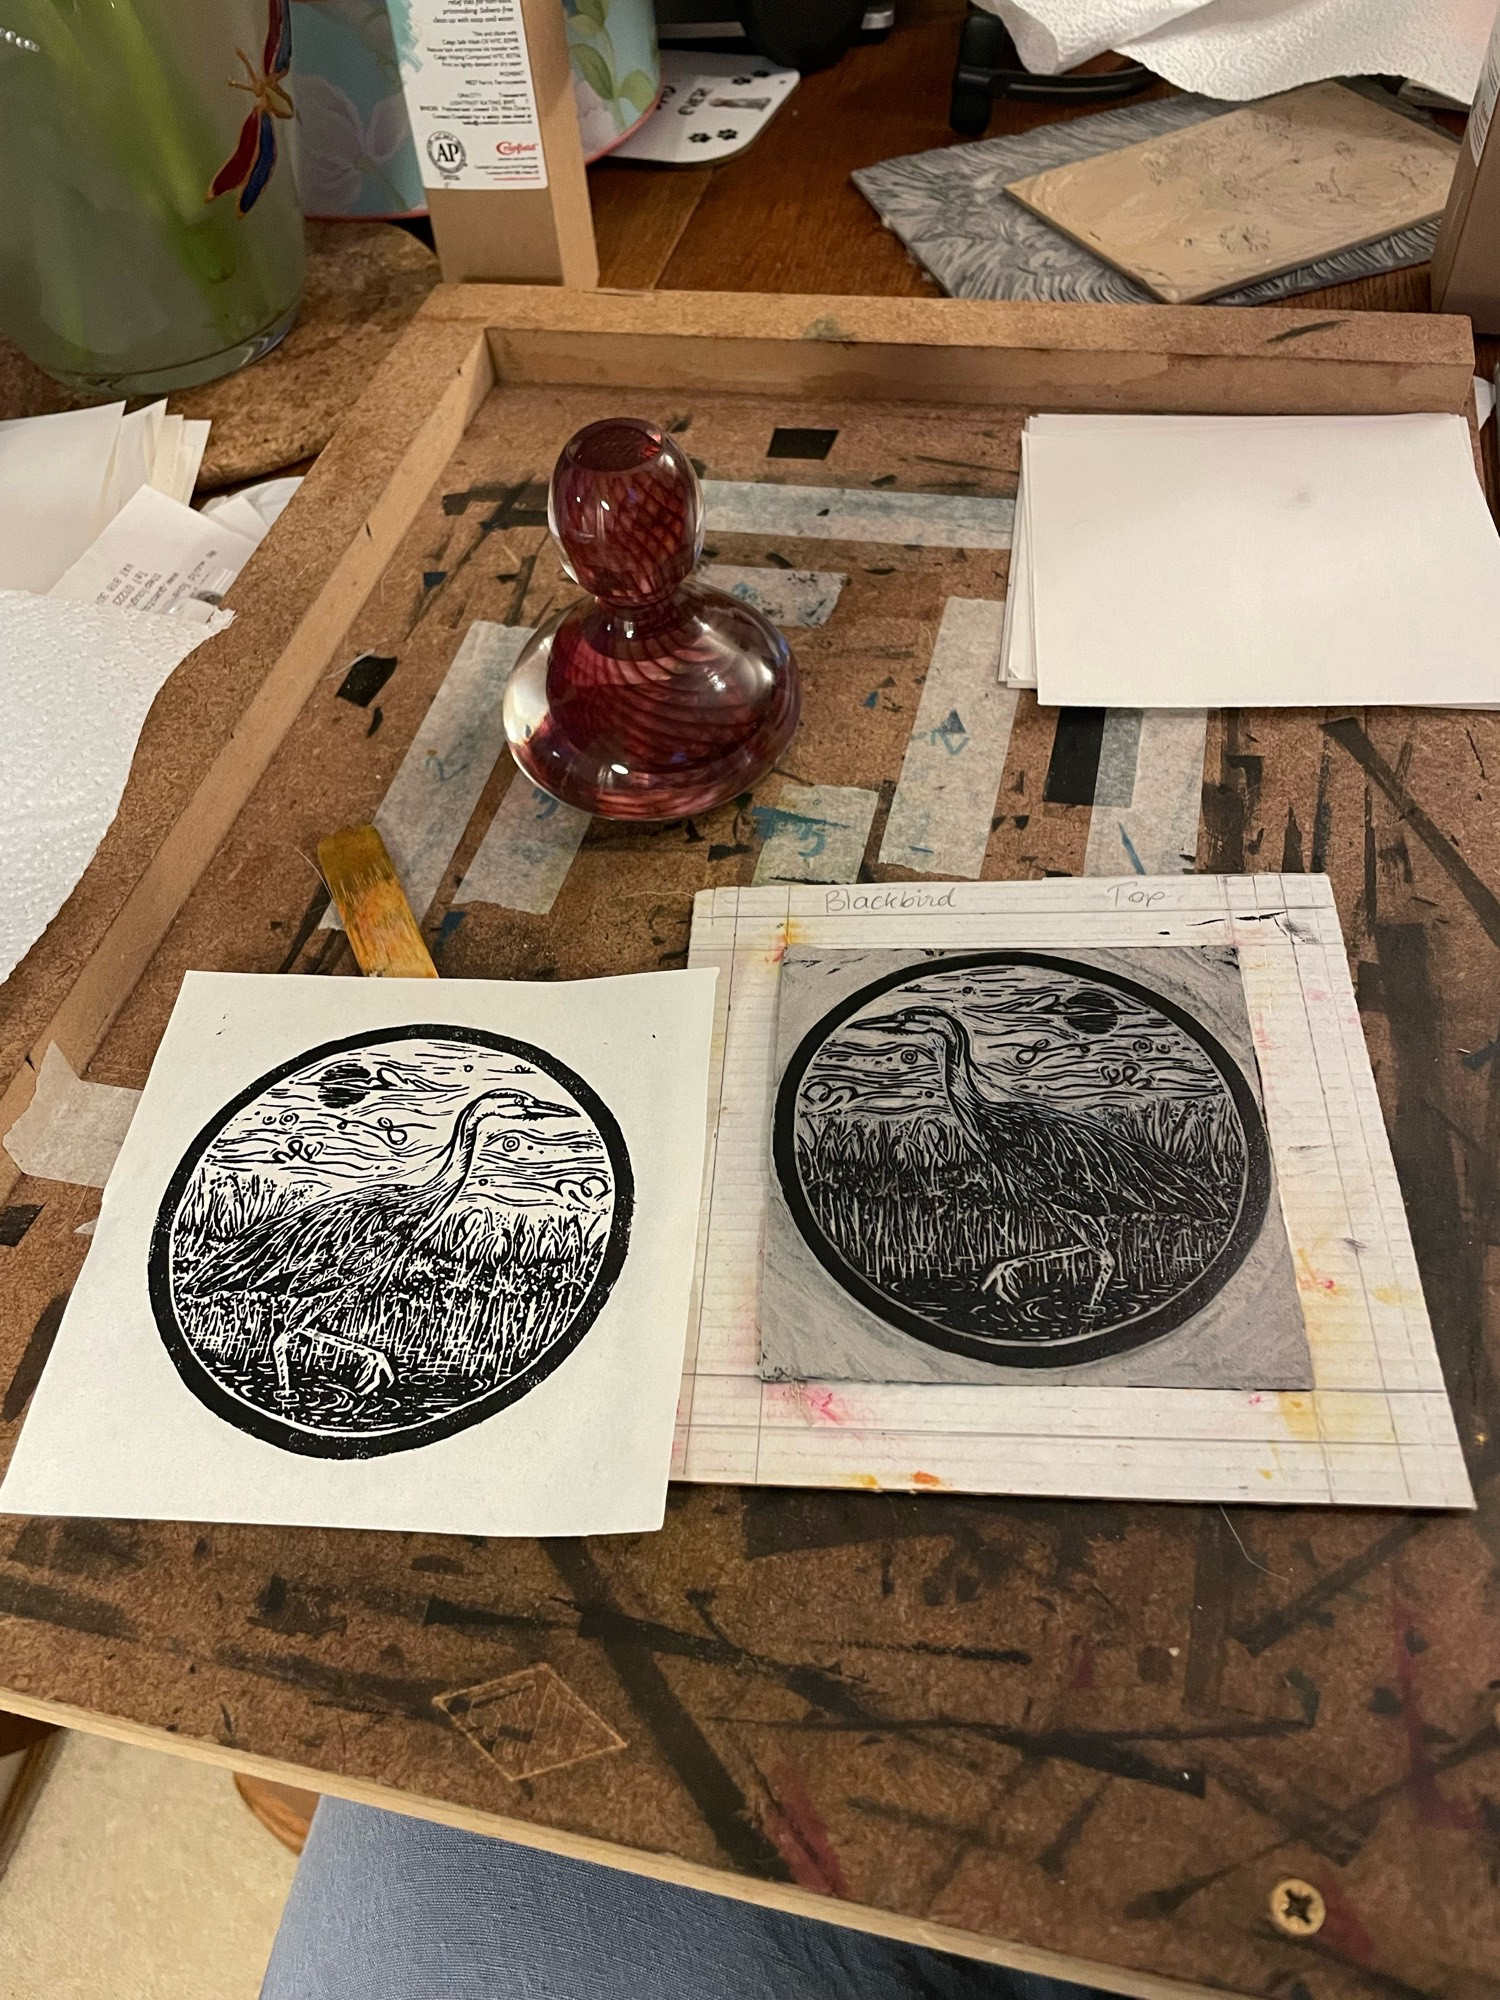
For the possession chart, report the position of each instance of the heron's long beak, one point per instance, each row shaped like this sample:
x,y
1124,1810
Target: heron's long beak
x,y
885,1024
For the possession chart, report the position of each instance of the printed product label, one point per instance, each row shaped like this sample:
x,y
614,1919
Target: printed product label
x,y
1484,101
469,94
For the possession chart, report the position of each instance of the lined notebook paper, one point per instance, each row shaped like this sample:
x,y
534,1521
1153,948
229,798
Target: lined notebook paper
x,y
1376,1428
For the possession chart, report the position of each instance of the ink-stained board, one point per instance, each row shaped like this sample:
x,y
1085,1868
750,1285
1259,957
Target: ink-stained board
x,y
1019,1728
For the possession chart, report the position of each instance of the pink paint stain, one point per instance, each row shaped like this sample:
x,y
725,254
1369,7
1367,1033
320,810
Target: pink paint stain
x,y
803,1841
1432,1807
823,1404
1081,1670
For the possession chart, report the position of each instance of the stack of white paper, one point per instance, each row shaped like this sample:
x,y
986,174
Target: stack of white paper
x,y
1261,562
108,579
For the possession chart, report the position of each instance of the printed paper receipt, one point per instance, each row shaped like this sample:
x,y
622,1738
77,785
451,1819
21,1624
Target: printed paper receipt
x,y
466,73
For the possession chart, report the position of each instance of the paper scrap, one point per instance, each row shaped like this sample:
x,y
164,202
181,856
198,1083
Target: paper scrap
x,y
53,477
483,1259
711,108
158,555
430,800
190,450
76,682
71,1130
134,463
528,847
254,510
940,817
815,833
855,514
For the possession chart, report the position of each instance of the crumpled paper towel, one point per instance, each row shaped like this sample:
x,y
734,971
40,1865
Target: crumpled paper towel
x,y
1251,48
76,682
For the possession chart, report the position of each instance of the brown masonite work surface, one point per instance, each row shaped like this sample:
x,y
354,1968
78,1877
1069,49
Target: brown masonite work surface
x,y
1106,1731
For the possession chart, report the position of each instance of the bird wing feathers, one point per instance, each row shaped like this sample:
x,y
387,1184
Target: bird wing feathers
x,y
323,1242
1059,1157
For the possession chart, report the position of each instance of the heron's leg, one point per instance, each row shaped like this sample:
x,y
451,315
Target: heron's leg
x,y
281,1343
1029,1258
1108,1264
1093,1241
374,1368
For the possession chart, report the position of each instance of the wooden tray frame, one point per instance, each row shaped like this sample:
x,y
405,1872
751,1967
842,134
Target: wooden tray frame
x,y
218,723
221,720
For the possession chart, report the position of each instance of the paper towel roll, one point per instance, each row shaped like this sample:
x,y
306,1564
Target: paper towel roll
x,y
1054,35
1251,48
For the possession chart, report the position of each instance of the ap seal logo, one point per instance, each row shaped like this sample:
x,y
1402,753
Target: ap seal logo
x,y
446,152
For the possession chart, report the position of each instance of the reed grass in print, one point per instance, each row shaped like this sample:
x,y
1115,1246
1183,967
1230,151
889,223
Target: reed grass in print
x,y
389,1238
1019,1157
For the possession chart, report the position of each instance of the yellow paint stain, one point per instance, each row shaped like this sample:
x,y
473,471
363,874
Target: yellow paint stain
x,y
1401,1296
862,1479
1300,1416
927,1479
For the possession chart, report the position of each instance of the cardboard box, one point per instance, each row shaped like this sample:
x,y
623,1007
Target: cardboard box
x,y
1466,262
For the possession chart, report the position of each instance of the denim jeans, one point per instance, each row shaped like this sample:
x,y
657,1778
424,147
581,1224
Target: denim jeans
x,y
390,1908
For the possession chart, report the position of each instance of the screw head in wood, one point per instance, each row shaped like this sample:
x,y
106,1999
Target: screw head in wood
x,y
1297,1909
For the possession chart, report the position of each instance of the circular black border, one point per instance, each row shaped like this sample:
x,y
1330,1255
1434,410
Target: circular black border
x,y
311,1444
1079,1348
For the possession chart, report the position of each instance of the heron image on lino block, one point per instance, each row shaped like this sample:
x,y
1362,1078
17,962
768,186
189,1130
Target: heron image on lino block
x,y
1034,1164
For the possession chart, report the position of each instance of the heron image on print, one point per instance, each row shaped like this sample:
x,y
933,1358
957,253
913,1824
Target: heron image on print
x,y
388,1238
1021,1158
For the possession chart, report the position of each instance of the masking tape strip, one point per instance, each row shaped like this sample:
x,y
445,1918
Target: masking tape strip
x,y
785,596
71,1130
1156,831
432,797
815,833
1119,757
526,852
859,514
940,817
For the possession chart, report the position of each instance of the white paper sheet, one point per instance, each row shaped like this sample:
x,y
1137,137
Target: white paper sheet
x,y
53,474
178,1390
158,555
1187,562
190,449
254,510
76,682
134,461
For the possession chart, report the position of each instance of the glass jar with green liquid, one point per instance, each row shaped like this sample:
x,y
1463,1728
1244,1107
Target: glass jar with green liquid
x,y
150,233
